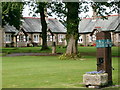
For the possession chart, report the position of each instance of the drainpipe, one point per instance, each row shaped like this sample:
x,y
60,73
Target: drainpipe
x,y
85,40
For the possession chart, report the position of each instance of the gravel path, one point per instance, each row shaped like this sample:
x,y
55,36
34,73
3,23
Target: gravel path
x,y
32,54
37,54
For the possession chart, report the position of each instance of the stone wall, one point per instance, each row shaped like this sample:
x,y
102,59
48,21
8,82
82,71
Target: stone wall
x,y
87,42
95,79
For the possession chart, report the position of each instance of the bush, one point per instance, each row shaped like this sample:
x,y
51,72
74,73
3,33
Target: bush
x,y
8,52
8,45
64,46
30,45
81,45
72,56
16,48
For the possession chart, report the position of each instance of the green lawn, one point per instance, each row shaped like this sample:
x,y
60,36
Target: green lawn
x,y
48,71
83,50
23,50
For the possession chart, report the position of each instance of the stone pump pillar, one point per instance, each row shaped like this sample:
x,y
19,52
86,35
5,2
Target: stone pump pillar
x,y
53,48
104,60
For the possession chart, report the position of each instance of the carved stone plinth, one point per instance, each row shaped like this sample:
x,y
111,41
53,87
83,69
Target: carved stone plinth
x,y
95,79
53,50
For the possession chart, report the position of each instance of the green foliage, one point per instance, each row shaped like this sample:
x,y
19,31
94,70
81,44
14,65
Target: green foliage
x,y
58,8
72,9
12,13
40,8
68,57
100,7
8,52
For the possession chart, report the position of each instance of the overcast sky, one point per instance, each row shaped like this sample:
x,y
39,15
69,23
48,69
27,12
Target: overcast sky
x,y
26,13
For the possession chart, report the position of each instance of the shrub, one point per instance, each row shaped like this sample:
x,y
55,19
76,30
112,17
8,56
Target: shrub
x,y
64,46
72,56
31,45
81,45
8,52
16,48
8,45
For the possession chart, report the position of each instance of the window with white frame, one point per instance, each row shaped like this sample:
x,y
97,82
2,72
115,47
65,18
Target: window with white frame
x,y
27,38
80,40
94,37
8,38
21,38
36,38
90,38
49,37
61,38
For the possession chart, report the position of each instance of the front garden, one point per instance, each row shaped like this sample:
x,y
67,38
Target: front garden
x,y
50,71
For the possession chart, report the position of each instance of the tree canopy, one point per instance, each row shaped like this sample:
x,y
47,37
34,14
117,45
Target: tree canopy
x,y
40,8
12,13
71,11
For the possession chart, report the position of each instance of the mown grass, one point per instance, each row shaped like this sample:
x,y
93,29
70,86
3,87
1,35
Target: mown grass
x,y
88,51
23,50
48,71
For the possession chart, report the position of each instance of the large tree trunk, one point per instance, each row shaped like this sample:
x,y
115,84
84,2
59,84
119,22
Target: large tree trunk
x,y
72,27
72,46
44,29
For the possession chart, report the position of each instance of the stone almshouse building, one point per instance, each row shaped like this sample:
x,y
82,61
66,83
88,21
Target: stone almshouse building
x,y
89,27
30,32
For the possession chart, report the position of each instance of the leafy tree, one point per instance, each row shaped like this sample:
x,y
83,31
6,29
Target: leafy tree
x,y
39,8
72,27
100,8
12,13
71,11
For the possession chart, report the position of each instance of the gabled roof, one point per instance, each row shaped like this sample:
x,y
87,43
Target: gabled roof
x,y
118,29
31,25
110,24
55,26
10,29
34,25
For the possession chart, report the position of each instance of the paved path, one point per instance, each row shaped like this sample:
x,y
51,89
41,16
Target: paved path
x,y
38,54
33,54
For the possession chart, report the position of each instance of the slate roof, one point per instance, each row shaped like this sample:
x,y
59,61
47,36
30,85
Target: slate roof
x,y
118,29
10,29
34,25
110,24
55,26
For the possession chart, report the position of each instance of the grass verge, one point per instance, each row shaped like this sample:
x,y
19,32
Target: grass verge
x,y
48,71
